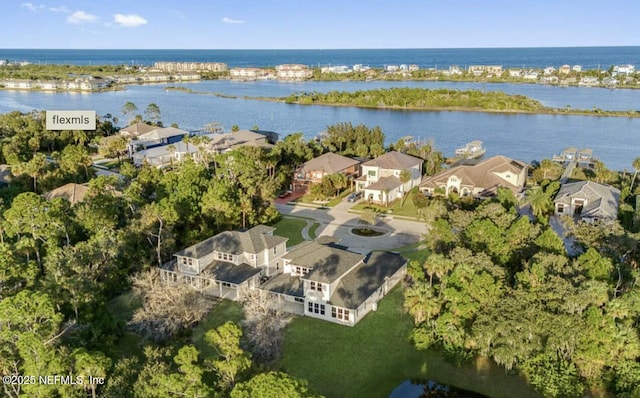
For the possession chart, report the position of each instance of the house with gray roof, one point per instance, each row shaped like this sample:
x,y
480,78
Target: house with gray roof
x,y
229,263
590,201
312,171
380,178
323,280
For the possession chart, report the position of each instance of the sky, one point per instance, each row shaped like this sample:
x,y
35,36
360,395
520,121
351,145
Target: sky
x,y
327,24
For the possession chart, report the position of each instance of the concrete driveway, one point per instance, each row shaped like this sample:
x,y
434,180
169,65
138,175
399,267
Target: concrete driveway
x,y
338,222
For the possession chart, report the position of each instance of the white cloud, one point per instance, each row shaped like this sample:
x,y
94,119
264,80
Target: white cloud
x,y
230,20
129,20
80,17
32,7
60,9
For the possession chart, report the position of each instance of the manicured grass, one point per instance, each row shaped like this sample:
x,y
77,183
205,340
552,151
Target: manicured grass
x,y
308,198
419,255
375,356
394,208
290,228
313,230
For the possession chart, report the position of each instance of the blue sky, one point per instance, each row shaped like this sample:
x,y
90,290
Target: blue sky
x,y
328,24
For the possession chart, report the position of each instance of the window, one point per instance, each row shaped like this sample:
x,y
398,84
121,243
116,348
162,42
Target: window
x,y
560,208
340,313
317,286
298,299
275,249
316,308
371,173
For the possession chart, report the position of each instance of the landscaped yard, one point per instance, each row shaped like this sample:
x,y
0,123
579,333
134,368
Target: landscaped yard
x,y
290,228
395,208
375,356
308,198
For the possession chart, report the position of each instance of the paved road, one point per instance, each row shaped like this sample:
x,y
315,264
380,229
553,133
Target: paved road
x,y
338,222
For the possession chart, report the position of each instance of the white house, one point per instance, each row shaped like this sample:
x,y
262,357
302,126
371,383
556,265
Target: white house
x,y
323,280
588,200
229,263
380,177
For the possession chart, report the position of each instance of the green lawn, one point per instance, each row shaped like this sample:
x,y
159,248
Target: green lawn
x,y
374,357
313,230
308,198
394,208
291,228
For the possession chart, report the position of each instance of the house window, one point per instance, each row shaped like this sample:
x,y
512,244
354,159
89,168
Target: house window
x,y
371,173
340,313
226,284
317,286
298,299
560,208
275,249
316,308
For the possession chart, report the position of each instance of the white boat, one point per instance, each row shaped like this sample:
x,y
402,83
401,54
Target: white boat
x,y
472,150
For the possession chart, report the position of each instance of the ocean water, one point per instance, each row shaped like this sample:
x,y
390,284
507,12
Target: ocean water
x,y
588,57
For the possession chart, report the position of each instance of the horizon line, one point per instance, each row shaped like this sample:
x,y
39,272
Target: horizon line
x,y
317,49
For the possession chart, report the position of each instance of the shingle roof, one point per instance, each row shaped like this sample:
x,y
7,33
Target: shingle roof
x,y
253,241
385,184
327,263
5,174
285,284
162,132
359,284
136,129
329,163
74,193
228,272
480,175
602,200
394,160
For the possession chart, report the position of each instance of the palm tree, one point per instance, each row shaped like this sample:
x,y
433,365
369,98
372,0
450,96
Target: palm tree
x,y
172,150
129,109
540,202
636,167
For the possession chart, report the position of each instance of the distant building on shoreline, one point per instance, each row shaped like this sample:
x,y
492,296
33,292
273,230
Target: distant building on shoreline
x,y
190,66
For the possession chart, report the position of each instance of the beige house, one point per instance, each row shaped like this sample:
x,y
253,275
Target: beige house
x,y
293,72
380,177
478,179
228,264
250,73
315,169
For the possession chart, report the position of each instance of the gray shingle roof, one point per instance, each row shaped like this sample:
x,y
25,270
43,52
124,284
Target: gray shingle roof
x,y
72,192
327,263
394,160
602,200
285,284
253,241
231,273
359,284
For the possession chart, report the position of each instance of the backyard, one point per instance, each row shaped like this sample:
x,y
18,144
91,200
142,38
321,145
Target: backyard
x,y
375,356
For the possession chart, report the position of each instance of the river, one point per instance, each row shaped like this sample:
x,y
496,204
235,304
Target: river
x,y
521,136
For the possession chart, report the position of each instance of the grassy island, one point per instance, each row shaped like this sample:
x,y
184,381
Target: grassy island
x,y
404,98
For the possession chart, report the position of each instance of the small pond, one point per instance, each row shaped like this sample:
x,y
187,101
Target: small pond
x,y
429,389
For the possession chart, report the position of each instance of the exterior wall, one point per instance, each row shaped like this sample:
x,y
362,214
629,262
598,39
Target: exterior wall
x,y
380,197
371,178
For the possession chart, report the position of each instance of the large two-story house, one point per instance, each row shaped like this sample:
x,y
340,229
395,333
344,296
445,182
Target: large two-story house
x,y
587,200
229,263
478,179
381,177
328,282
312,171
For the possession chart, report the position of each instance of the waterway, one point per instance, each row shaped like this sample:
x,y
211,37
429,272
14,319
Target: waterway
x,y
521,136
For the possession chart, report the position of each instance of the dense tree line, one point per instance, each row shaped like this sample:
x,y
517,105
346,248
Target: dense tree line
x,y
61,263
498,285
418,98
